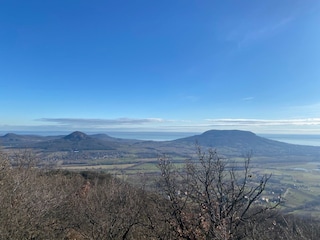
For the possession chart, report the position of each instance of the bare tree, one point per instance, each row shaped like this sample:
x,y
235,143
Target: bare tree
x,y
29,198
211,198
107,208
208,198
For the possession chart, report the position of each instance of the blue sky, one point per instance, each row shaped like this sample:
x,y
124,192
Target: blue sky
x,y
160,65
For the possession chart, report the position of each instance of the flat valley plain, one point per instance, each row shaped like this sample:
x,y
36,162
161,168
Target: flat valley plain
x,y
295,169
298,184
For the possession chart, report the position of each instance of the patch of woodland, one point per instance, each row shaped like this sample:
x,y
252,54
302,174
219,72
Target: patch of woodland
x,y
39,203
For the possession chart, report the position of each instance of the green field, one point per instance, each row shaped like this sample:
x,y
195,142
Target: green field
x,y
298,182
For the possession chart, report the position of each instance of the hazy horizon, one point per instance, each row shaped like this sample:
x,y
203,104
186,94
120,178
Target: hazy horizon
x,y
300,139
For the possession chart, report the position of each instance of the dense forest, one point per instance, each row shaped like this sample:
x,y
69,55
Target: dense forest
x,y
211,198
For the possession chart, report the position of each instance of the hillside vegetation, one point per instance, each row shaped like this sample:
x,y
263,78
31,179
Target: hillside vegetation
x,y
40,203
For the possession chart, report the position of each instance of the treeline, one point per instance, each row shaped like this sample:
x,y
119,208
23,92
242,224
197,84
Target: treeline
x,y
205,200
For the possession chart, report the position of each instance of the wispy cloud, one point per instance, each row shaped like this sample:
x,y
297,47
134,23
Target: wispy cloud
x,y
264,31
101,122
264,122
247,33
248,98
298,125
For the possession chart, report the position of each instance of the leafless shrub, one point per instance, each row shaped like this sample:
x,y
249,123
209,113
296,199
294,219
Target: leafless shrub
x,y
208,199
211,198
29,198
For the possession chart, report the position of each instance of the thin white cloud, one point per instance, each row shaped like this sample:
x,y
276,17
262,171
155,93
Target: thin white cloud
x,y
248,98
264,31
264,122
101,122
298,125
247,33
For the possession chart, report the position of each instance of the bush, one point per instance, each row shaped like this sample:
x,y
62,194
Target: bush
x,y
208,199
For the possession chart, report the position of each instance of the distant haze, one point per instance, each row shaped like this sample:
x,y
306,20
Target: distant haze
x,y
301,139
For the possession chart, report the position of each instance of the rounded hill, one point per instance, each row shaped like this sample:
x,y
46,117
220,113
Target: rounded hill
x,y
76,136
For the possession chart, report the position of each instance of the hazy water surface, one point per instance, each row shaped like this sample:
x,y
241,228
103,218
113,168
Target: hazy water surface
x,y
301,139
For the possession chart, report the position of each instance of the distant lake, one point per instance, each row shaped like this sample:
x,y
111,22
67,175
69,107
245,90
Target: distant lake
x,y
301,139
153,136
